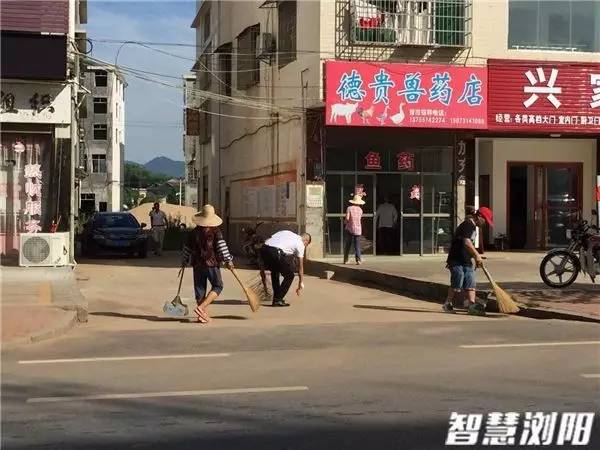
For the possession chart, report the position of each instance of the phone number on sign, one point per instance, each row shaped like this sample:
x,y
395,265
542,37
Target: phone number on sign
x,y
428,119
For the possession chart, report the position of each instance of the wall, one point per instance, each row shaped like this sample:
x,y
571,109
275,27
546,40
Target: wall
x,y
547,150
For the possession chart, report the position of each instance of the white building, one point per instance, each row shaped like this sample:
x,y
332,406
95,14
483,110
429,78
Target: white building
x,y
103,126
266,137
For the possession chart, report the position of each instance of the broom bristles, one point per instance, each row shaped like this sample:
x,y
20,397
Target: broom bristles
x,y
506,304
260,290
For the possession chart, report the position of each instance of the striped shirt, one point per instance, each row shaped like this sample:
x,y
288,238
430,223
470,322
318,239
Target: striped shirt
x,y
353,220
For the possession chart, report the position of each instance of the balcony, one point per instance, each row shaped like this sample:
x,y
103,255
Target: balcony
x,y
397,23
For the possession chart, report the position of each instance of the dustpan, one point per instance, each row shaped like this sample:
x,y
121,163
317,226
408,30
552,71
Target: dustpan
x,y
176,307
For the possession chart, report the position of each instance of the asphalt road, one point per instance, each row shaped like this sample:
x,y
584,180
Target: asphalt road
x,y
375,371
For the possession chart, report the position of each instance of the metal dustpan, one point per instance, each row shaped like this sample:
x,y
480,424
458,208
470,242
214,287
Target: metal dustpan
x,y
176,307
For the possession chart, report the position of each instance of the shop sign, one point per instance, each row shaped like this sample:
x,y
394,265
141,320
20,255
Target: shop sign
x,y
405,95
406,161
461,164
544,96
373,161
35,103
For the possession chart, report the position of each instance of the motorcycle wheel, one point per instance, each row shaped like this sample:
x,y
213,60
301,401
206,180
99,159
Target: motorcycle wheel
x,y
553,275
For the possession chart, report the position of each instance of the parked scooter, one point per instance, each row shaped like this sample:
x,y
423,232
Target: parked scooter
x,y
252,243
561,267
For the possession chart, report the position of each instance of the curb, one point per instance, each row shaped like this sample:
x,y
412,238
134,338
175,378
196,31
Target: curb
x,y
425,290
59,329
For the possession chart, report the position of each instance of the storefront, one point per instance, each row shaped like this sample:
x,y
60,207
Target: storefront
x,y
537,165
398,132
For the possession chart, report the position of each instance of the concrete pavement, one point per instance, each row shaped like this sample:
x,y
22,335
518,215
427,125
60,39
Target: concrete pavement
x,y
345,367
517,273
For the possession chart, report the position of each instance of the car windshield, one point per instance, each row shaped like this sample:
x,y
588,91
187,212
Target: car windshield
x,y
116,221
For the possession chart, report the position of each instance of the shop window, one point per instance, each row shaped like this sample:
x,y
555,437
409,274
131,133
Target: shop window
x,y
100,105
100,132
341,159
437,160
286,36
571,25
248,65
101,78
98,163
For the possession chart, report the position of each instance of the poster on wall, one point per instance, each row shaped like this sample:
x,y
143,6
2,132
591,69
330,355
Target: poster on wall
x,y
544,96
266,201
405,95
249,202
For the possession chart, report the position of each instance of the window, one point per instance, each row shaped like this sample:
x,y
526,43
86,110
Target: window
x,y
100,132
98,163
225,67
286,35
102,208
248,65
571,25
100,105
206,27
101,78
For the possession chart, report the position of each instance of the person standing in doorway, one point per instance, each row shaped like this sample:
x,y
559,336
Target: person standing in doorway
x,y
281,254
158,222
353,221
387,217
460,260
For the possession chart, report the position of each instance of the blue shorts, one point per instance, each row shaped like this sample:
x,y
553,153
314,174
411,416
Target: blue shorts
x,y
462,278
202,275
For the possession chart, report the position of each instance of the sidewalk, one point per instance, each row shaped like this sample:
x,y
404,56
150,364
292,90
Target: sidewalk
x,y
426,277
39,303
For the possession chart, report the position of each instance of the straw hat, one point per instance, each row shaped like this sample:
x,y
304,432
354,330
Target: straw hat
x,y
207,217
357,200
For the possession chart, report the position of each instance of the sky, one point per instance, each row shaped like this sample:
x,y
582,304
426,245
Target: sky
x,y
153,113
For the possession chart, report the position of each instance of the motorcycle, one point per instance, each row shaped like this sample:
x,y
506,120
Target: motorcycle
x,y
561,267
252,242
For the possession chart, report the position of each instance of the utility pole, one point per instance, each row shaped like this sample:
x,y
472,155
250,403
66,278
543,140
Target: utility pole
x,y
180,181
74,152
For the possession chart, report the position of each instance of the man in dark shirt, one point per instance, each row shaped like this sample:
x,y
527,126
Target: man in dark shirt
x,y
460,264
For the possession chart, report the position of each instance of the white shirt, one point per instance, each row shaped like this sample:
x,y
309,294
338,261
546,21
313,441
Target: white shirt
x,y
158,219
387,215
288,242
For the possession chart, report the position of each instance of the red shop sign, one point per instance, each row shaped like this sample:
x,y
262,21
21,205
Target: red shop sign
x,y
544,96
405,95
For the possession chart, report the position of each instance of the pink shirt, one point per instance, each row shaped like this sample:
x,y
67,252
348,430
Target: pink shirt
x,y
353,216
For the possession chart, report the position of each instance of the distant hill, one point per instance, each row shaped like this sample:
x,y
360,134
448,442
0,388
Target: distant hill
x,y
166,166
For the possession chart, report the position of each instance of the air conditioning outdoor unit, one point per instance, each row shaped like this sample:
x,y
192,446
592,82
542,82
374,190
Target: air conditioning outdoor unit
x,y
44,249
265,47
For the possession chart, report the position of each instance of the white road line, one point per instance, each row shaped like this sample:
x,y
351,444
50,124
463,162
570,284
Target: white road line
x,y
167,394
124,358
590,375
533,344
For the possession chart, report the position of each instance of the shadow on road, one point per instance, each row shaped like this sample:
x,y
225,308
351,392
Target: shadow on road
x,y
142,317
418,310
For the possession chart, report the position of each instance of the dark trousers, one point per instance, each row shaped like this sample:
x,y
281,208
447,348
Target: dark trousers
x,y
204,274
386,237
278,264
352,239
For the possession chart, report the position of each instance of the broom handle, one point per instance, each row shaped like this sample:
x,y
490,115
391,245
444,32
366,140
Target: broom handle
x,y
487,274
180,279
237,277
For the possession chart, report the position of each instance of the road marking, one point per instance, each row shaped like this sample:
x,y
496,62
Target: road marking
x,y
123,358
532,344
590,375
167,394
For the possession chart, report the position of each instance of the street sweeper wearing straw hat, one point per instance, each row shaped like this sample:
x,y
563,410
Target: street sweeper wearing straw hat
x,y
463,258
205,249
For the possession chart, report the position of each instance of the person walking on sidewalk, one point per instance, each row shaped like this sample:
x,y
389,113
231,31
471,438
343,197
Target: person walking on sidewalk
x,y
460,260
353,228
158,222
281,254
205,249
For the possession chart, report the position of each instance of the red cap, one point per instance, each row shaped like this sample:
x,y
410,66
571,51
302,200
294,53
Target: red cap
x,y
487,214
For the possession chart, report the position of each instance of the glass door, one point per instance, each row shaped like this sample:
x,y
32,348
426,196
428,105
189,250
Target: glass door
x,y
563,186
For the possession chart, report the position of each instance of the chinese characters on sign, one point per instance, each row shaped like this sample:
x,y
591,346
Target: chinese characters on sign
x,y
461,163
41,102
548,96
406,161
410,95
373,161
536,428
415,193
33,189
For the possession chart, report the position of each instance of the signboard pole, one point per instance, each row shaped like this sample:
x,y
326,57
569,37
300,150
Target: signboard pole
x,y
476,187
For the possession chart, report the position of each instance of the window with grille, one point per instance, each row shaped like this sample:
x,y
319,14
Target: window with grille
x,y
100,105
571,25
98,163
100,132
206,27
248,65
225,68
101,78
286,36
203,72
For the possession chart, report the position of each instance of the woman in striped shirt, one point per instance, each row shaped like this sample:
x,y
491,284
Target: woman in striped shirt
x,y
205,250
353,228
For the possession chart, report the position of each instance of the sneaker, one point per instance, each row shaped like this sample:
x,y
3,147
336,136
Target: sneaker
x,y
448,308
280,303
476,310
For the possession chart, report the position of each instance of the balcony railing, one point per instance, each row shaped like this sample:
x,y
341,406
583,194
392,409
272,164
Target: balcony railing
x,y
437,23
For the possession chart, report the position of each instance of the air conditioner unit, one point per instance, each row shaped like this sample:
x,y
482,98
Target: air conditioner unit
x,y
265,47
44,249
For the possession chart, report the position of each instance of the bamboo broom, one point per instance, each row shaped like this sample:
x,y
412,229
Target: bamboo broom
x,y
505,302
